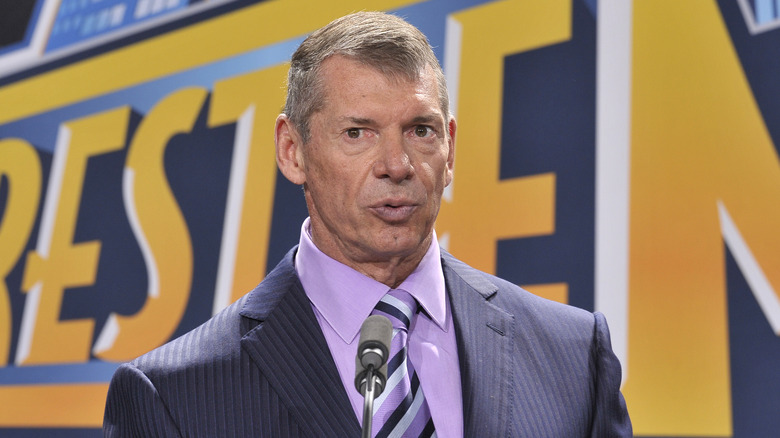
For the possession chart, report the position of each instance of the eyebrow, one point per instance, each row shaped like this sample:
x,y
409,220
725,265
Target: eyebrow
x,y
363,121
360,121
429,119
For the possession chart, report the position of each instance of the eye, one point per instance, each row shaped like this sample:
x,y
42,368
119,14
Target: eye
x,y
353,132
422,130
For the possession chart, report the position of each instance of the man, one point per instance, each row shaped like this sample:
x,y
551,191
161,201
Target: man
x,y
367,132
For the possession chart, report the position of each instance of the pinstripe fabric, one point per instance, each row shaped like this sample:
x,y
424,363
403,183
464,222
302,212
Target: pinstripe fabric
x,y
261,368
531,367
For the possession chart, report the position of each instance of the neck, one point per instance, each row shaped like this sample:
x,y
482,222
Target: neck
x,y
390,273
388,268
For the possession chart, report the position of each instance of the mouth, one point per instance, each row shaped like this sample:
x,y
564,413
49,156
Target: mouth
x,y
394,211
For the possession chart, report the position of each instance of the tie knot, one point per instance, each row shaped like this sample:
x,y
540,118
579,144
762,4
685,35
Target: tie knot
x,y
399,306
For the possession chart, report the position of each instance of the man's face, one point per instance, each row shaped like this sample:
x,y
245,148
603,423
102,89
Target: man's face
x,y
376,165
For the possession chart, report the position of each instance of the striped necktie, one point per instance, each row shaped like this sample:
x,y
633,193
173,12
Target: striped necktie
x,y
401,409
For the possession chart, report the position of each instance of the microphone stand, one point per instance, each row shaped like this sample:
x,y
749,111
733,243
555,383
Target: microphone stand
x,y
371,364
368,402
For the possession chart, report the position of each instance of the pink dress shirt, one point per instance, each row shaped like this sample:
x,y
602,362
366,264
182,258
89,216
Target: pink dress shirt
x,y
343,298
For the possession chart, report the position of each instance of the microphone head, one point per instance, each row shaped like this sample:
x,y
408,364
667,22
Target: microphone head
x,y
373,350
374,345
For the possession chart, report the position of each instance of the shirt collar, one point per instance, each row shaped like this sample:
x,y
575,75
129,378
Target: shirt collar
x,y
345,297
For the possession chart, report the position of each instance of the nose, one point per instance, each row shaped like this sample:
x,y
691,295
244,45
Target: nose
x,y
393,161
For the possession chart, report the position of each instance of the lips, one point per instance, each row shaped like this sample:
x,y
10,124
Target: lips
x,y
394,211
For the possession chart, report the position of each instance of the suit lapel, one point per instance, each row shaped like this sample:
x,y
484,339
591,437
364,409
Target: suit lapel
x,y
289,348
483,334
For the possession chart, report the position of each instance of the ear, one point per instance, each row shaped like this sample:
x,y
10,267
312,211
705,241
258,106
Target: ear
x,y
452,127
289,153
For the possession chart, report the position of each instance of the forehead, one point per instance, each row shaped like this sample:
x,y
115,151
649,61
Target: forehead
x,y
348,82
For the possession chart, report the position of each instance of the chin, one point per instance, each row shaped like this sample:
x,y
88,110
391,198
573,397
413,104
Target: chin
x,y
400,245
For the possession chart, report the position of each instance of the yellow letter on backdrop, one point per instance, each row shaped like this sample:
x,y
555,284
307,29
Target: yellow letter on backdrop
x,y
20,165
58,263
252,101
699,148
484,208
160,229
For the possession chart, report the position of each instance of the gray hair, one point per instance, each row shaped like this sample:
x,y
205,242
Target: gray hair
x,y
381,41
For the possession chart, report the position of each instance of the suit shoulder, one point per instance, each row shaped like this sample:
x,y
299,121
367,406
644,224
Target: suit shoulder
x,y
219,337
216,338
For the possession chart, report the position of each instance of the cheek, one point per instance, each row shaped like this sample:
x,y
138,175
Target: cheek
x,y
435,176
338,185
321,171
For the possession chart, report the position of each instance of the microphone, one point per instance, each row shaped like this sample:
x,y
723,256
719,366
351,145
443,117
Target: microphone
x,y
371,363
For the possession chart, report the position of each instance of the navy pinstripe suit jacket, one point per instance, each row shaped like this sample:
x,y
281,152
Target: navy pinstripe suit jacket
x,y
261,368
